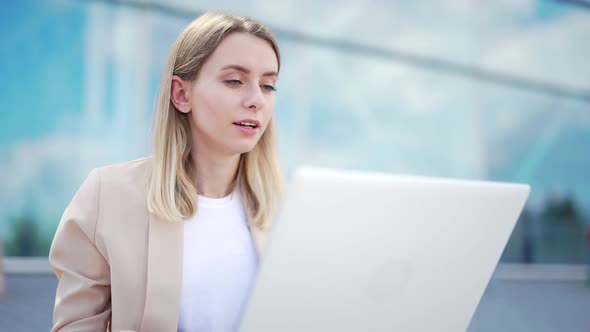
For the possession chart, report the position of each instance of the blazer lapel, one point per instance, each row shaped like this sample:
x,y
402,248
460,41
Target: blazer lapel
x,y
164,275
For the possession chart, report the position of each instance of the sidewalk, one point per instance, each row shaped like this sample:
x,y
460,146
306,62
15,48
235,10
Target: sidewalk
x,y
507,305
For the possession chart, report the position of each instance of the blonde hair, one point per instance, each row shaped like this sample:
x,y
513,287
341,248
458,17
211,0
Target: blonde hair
x,y
171,193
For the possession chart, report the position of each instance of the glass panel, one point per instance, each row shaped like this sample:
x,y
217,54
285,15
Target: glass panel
x,y
495,90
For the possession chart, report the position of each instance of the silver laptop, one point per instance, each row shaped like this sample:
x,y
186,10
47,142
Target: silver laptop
x,y
355,251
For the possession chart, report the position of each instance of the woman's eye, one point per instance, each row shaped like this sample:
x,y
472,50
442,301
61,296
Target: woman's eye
x,y
269,88
233,82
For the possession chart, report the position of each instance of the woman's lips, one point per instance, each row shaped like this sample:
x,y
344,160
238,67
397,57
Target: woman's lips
x,y
250,131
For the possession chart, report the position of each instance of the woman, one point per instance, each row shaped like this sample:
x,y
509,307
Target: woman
x,y
171,242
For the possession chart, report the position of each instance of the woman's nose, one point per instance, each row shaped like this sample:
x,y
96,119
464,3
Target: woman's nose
x,y
255,99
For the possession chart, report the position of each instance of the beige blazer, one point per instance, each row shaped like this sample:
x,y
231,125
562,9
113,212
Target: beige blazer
x,y
119,267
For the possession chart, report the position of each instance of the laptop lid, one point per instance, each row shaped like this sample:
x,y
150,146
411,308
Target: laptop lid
x,y
358,251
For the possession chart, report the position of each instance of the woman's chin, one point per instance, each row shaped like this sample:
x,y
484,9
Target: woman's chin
x,y
244,148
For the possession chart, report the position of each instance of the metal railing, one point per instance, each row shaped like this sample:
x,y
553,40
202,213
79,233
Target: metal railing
x,y
504,271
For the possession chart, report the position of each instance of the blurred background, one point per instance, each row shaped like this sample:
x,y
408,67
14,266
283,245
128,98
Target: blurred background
x,y
496,90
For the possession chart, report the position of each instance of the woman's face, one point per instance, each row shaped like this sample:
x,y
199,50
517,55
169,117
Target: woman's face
x,y
232,99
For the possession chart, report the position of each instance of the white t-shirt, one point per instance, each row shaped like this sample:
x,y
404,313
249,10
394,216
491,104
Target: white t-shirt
x,y
220,264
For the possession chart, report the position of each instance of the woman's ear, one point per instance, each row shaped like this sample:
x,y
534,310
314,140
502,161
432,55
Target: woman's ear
x,y
180,94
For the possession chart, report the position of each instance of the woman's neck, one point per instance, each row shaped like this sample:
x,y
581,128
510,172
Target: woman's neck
x,y
214,175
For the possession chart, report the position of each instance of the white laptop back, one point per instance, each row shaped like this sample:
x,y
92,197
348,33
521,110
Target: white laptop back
x,y
356,251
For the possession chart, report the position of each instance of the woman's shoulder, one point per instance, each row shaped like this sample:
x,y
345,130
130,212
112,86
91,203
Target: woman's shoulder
x,y
125,178
120,171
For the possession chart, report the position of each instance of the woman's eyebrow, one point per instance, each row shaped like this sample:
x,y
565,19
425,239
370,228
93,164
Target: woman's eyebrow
x,y
247,71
